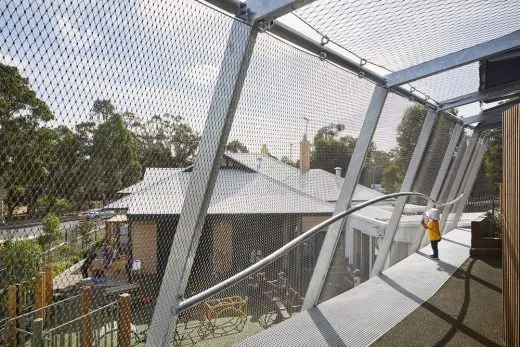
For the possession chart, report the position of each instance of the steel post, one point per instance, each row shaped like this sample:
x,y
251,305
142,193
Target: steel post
x,y
455,187
229,84
439,181
347,190
411,173
469,182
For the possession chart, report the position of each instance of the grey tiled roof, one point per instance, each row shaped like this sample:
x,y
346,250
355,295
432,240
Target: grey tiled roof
x,y
236,192
316,182
151,175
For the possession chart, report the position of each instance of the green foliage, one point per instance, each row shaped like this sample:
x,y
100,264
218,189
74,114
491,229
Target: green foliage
x,y
407,134
329,150
84,231
493,162
166,141
236,146
58,169
496,223
114,157
51,230
375,165
392,178
64,257
22,114
48,203
22,261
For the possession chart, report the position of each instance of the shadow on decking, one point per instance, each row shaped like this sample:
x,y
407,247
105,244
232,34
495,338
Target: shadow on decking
x,y
466,311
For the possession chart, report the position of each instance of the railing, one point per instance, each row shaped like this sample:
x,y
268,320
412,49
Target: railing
x,y
482,202
94,328
202,296
53,315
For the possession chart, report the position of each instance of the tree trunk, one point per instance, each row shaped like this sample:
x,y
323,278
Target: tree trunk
x,y
10,211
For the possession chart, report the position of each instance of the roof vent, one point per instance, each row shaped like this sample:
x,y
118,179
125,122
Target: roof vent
x,y
338,171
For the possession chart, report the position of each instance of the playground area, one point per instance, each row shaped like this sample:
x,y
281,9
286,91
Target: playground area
x,y
107,313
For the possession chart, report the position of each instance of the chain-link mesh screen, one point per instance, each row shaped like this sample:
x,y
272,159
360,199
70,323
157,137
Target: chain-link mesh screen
x,y
396,36
467,186
485,196
454,186
103,108
279,179
409,230
92,97
383,172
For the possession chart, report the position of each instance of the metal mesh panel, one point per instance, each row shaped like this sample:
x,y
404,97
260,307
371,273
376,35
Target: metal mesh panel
x,y
266,298
434,155
111,116
278,180
408,229
383,172
398,36
98,102
449,187
391,37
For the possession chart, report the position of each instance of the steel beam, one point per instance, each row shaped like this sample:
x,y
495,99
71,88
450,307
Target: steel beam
x,y
347,191
461,173
482,117
411,173
229,84
504,91
439,182
490,126
495,111
470,181
267,10
453,60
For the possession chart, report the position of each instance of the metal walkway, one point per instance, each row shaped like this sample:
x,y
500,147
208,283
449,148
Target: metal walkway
x,y
360,316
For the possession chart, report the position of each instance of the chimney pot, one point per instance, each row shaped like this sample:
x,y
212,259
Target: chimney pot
x,y
338,171
305,154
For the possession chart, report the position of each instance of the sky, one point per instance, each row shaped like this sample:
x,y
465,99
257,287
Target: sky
x,y
158,57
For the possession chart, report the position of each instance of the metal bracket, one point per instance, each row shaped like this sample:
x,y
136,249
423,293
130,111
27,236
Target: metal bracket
x,y
324,40
323,56
264,26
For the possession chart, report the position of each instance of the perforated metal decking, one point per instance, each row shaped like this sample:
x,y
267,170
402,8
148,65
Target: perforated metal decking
x,y
360,316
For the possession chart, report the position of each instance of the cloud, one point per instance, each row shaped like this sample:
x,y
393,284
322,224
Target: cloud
x,y
79,36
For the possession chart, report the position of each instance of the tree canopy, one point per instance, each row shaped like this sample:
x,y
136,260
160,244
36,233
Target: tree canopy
x,y
46,168
407,134
236,146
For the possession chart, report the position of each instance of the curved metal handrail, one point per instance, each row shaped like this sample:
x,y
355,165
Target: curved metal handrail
x,y
200,297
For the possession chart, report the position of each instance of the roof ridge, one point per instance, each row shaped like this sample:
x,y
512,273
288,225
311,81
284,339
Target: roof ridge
x,y
281,182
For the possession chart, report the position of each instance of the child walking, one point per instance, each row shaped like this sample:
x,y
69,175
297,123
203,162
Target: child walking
x,y
434,233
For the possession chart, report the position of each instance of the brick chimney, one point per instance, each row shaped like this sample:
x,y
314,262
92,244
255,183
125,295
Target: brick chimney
x,y
264,150
305,154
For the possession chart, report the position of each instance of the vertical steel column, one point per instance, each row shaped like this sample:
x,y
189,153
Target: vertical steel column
x,y
439,181
455,187
229,84
470,180
411,172
347,190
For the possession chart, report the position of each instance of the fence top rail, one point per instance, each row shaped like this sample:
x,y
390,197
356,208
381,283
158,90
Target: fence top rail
x,y
41,309
219,287
80,317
